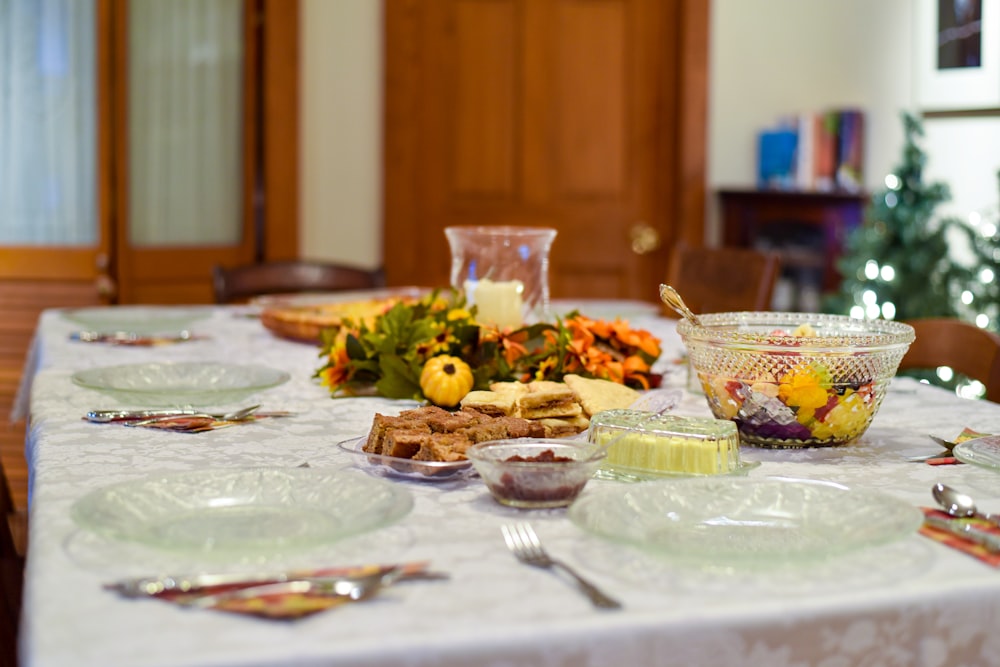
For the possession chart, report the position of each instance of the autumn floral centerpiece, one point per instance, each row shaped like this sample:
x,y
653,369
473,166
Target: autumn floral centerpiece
x,y
439,335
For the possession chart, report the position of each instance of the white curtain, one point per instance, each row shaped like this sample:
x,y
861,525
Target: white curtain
x,y
47,123
185,130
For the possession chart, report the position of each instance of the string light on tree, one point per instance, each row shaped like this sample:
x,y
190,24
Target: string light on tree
x,y
904,262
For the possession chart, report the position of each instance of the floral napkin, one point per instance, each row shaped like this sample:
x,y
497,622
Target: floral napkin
x,y
958,542
289,606
194,423
966,434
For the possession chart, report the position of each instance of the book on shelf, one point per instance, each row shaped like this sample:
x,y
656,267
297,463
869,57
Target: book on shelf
x,y
827,152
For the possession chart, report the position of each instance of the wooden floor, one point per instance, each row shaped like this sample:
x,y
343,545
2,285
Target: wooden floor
x,y
14,465
21,303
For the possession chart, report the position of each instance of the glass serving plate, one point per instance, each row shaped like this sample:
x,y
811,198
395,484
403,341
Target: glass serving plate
x,y
143,320
394,466
744,522
983,452
242,510
180,384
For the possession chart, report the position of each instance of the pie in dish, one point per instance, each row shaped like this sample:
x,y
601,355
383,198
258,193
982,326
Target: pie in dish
x,y
305,322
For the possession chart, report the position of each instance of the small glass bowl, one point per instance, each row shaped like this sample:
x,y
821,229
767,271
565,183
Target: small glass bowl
x,y
544,472
795,379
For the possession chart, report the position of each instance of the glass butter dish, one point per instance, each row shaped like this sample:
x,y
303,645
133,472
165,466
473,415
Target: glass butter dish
x,y
646,445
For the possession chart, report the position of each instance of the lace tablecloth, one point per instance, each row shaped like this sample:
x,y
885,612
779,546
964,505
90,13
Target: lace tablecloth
x,y
913,602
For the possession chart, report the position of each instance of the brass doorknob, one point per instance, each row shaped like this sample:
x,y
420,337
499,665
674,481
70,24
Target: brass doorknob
x,y
644,239
106,287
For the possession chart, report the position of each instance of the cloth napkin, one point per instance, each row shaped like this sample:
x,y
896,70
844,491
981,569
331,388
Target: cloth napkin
x,y
966,434
195,423
960,543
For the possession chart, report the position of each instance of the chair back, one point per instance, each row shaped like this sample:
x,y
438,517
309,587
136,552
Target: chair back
x,y
235,284
960,345
723,279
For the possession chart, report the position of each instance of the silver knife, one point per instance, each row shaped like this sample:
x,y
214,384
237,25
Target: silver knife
x,y
967,531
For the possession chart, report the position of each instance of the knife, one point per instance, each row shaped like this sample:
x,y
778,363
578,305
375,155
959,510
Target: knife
x,y
967,531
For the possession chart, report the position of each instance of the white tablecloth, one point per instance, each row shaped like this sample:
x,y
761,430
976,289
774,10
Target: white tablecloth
x,y
913,602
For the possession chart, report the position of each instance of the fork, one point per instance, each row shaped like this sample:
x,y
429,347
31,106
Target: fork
x,y
523,542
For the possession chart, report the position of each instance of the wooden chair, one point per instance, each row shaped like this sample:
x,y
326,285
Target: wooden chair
x,y
11,578
713,280
960,345
240,283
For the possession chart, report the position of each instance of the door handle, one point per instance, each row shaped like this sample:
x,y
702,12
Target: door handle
x,y
643,238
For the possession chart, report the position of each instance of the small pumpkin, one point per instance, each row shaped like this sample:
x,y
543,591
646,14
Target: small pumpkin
x,y
445,380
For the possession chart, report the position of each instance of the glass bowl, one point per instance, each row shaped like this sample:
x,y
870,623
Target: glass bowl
x,y
795,379
535,472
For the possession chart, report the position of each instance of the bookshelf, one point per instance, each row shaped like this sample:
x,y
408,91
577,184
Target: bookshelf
x,y
806,229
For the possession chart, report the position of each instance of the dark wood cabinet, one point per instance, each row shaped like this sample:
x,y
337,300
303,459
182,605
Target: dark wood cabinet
x,y
807,230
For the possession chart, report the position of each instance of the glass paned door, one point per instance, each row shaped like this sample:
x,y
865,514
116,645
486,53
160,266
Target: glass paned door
x,y
185,103
48,124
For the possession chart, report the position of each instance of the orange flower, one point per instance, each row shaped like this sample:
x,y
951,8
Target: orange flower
x,y
637,338
338,371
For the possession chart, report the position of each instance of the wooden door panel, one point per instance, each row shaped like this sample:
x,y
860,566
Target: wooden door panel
x,y
555,113
484,74
589,94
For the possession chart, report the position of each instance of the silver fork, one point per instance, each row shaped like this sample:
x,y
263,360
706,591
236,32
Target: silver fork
x,y
524,543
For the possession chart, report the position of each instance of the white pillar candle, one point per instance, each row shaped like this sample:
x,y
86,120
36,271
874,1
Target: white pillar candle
x,y
499,302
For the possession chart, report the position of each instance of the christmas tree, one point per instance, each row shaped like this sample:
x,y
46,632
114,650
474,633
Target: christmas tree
x,y
904,262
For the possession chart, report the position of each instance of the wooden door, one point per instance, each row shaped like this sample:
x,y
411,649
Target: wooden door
x,y
111,269
587,116
165,273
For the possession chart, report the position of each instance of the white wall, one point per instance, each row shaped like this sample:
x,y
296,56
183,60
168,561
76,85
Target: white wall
x,y
768,58
340,131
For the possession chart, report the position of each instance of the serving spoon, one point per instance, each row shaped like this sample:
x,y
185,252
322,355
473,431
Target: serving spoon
x,y
672,298
960,505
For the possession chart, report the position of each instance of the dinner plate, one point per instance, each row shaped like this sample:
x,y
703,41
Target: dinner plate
x,y
983,452
242,510
144,320
180,384
394,466
744,522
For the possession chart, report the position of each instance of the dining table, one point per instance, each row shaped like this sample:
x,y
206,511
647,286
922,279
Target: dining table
x,y
909,601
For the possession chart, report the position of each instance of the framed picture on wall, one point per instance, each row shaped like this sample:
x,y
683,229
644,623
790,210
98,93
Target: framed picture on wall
x,y
958,54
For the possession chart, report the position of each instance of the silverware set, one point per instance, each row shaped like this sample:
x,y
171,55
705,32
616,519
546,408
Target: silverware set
x,y
147,417
202,590
961,506
948,446
131,337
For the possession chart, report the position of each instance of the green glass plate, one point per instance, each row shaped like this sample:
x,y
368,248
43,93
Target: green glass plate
x,y
242,511
744,522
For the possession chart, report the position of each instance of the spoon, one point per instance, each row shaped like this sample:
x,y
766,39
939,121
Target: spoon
x,y
672,298
959,505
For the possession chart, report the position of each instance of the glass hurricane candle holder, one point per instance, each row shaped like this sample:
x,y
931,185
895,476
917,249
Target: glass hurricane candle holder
x,y
503,271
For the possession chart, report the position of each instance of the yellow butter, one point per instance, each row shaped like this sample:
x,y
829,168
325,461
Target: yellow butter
x,y
666,444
